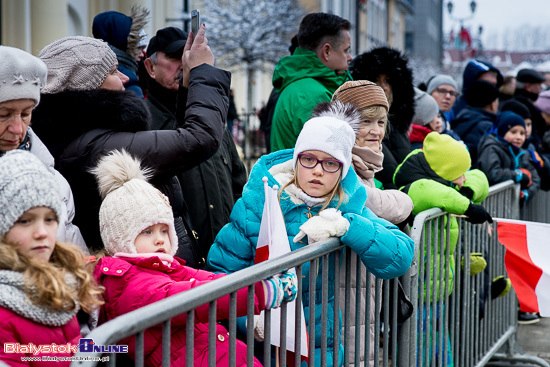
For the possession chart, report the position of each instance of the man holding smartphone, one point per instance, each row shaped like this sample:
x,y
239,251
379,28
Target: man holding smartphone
x,y
210,189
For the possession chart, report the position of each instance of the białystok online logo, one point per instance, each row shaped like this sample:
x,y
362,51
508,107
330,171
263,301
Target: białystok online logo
x,y
84,346
89,346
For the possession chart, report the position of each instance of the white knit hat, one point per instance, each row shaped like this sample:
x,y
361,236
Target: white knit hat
x,y
76,63
25,183
330,132
130,203
22,75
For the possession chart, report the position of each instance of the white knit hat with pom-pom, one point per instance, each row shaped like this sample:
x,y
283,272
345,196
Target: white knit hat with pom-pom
x,y
130,203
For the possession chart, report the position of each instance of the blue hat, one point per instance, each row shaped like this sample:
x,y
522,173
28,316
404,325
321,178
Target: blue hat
x,y
474,69
507,120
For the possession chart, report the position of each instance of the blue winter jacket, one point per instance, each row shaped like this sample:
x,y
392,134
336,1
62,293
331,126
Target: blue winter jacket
x,y
384,249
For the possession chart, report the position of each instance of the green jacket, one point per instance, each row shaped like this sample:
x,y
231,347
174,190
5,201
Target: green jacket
x,y
428,190
302,81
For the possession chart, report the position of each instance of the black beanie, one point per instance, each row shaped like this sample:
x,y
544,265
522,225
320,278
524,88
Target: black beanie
x,y
516,107
480,93
507,120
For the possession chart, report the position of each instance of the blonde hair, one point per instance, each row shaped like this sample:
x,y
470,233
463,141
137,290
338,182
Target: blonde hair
x,y
376,112
45,282
337,191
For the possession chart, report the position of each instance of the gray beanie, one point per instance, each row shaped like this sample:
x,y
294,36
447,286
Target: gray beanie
x,y
22,75
441,79
425,108
25,183
77,63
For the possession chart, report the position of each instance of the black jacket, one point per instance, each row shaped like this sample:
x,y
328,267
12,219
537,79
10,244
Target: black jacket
x,y
472,124
80,126
211,188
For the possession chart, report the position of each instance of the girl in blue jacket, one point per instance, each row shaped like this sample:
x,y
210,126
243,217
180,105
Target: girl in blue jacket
x,y
320,197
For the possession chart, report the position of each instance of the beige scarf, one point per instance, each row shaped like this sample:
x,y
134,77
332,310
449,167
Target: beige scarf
x,y
366,162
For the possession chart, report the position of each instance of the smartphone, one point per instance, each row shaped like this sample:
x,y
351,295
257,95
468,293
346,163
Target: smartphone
x,y
195,21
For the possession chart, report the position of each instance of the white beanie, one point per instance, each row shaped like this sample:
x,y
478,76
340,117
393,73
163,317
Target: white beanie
x,y
425,108
330,132
77,63
22,75
25,183
130,203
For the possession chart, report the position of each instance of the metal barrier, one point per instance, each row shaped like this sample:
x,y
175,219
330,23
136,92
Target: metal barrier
x,y
537,209
451,318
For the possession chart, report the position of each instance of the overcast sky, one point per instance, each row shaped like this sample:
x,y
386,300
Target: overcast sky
x,y
499,17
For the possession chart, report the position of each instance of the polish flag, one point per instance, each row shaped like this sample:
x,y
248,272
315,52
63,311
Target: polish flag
x,y
527,262
272,243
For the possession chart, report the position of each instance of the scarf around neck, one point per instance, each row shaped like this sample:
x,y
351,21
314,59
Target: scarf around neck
x,y
366,162
14,298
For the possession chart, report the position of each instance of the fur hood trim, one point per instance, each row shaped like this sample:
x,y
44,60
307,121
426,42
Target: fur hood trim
x,y
139,17
389,61
62,117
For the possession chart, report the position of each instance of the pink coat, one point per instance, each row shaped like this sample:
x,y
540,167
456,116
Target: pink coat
x,y
18,329
131,283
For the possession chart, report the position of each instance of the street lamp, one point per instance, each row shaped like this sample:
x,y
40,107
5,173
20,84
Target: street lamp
x,y
450,6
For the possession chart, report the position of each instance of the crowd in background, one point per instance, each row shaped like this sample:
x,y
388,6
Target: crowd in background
x,y
121,184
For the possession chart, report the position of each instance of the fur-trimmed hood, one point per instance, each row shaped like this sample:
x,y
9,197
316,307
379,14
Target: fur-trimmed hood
x,y
389,61
62,117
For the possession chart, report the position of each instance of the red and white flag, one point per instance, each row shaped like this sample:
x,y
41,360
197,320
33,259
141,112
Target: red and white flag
x,y
527,262
272,243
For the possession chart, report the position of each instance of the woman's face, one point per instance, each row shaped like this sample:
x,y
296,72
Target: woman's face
x,y
35,233
316,182
370,134
15,118
115,80
384,82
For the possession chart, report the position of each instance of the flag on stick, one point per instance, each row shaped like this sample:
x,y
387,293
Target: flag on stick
x,y
527,262
273,242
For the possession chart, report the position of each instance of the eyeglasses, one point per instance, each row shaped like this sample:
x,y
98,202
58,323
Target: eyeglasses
x,y
310,162
444,91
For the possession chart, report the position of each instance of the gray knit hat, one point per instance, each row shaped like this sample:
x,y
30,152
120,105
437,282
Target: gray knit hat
x,y
441,79
425,108
77,63
22,75
25,183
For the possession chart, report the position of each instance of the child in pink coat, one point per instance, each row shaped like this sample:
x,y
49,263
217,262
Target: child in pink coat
x,y
137,229
43,283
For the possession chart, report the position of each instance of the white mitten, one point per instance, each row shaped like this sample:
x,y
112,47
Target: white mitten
x,y
329,223
259,328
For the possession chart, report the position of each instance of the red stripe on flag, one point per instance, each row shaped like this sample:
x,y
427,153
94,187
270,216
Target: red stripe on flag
x,y
262,254
523,273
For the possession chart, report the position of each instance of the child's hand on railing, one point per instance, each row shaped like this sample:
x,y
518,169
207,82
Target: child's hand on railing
x,y
329,223
290,285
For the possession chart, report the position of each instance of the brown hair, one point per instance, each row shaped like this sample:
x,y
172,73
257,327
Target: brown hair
x,y
46,284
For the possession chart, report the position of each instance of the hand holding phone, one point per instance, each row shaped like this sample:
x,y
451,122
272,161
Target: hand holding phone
x,y
195,21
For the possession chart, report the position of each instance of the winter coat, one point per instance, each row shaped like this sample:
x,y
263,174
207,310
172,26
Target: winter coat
x,y
381,246
396,147
429,190
78,127
67,231
211,188
472,124
23,322
499,159
162,103
131,283
302,81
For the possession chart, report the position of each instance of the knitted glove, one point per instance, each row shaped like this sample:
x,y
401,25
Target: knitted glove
x,y
273,292
329,223
523,177
290,285
477,263
477,214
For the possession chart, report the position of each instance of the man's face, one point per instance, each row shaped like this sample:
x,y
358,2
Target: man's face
x,y
534,88
167,72
340,55
489,76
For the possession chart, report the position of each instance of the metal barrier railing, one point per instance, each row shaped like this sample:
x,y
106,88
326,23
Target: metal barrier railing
x,y
449,323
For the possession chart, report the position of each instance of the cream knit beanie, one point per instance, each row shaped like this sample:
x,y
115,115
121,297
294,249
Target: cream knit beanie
x,y
76,63
130,203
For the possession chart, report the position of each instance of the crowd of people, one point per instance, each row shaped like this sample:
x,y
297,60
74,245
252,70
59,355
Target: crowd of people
x,y
121,185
